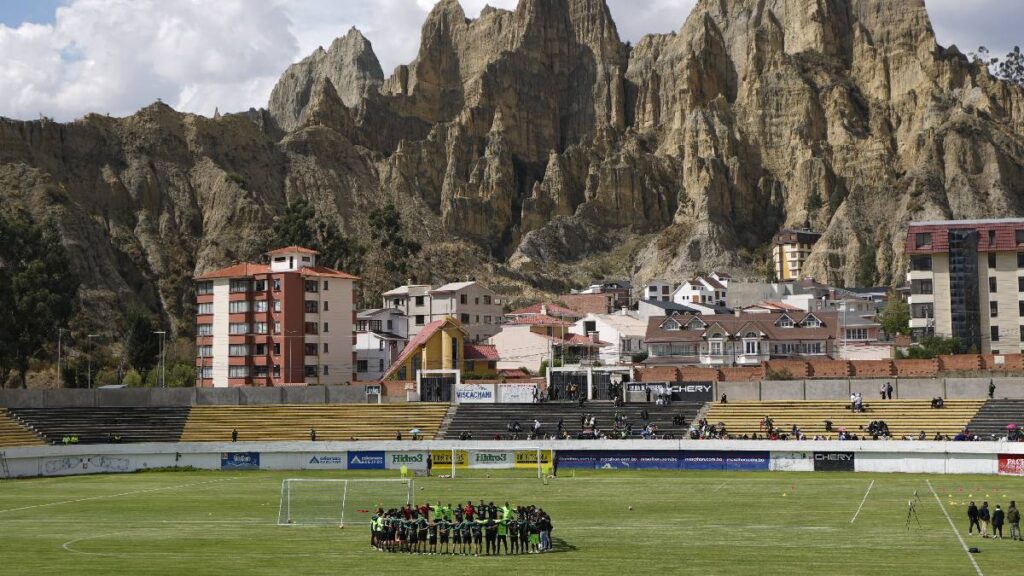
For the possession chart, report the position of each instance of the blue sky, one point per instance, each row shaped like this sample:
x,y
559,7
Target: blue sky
x,y
116,56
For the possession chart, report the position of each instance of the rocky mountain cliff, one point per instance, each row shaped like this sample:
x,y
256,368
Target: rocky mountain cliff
x,y
534,148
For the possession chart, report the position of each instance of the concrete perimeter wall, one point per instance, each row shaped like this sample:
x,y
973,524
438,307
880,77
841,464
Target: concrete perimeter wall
x,y
157,397
840,389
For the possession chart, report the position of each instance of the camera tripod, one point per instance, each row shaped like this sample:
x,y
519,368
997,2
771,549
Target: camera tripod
x,y
912,510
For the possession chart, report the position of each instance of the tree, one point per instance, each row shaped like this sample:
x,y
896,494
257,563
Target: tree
x,y
895,318
1010,68
142,346
37,293
933,346
386,231
300,226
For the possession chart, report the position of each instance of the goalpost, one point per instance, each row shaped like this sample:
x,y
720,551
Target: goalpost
x,y
531,458
335,502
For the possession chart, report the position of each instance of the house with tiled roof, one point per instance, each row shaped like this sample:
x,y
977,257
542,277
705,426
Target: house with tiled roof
x,y
527,340
622,333
443,345
477,307
740,339
709,290
283,323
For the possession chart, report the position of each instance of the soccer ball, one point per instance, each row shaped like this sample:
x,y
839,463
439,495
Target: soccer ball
x,y
630,507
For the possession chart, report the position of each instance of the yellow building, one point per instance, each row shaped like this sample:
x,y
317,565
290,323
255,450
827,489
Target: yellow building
x,y
442,345
790,249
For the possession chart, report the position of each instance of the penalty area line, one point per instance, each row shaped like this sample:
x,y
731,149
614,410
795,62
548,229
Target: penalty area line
x,y
955,531
102,497
861,507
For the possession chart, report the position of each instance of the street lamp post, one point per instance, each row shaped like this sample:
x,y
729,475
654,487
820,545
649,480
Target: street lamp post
x,y
89,370
163,359
60,376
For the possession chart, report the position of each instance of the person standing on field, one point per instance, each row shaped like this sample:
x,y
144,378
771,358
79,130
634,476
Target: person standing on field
x,y
998,517
984,516
972,515
1013,518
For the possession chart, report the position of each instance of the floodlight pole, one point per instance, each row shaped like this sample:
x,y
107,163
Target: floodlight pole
x,y
163,359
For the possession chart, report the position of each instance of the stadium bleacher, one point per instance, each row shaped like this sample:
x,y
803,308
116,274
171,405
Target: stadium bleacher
x,y
485,421
903,417
994,417
331,422
99,425
13,434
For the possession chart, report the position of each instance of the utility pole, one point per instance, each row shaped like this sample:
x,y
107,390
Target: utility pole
x,y
89,373
163,359
60,377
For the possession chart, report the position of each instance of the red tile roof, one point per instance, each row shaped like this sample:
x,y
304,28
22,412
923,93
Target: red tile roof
x,y
537,320
587,303
481,352
413,346
733,325
552,310
993,235
329,272
514,373
576,340
292,249
237,270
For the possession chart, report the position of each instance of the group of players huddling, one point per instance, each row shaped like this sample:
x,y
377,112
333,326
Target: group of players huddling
x,y
463,529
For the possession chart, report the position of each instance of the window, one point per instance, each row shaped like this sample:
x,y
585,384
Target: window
x,y
311,349
921,263
326,370
238,350
856,333
1020,308
487,319
993,309
277,327
652,289
238,306
995,333
277,371
206,308
380,364
237,329
464,318
260,371
206,372
991,237
312,328
312,307
476,319
1020,284
277,305
463,299
277,348
812,322
261,327
238,371
326,306
589,326
277,284
260,286
419,300
487,300
750,346
921,287
261,306
470,366
1020,236
361,366
476,301
260,350
991,260
280,259
327,327
391,325
326,285
240,286
992,285
716,348
310,371
380,345
204,351
419,320
312,286
785,322
326,348
492,365
1022,333
664,289
204,288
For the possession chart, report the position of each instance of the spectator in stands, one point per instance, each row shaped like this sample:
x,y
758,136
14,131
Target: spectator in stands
x,y
416,433
858,403
938,402
312,434
398,435
234,435
881,390
645,415
991,389
922,436
888,390
679,420
561,427
828,425
647,394
725,399
938,437
853,401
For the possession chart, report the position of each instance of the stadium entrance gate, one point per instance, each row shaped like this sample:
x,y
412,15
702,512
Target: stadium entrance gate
x,y
562,384
437,385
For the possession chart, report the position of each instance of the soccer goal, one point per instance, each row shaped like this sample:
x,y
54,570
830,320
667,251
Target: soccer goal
x,y
530,460
336,502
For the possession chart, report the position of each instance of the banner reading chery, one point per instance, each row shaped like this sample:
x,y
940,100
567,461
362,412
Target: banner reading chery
x,y
833,461
1011,464
680,391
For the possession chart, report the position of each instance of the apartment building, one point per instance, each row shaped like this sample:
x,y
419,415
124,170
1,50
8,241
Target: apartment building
x,y
478,309
966,282
709,290
657,291
287,322
790,249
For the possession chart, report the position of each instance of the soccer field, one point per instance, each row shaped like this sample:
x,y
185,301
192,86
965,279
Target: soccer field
x,y
681,523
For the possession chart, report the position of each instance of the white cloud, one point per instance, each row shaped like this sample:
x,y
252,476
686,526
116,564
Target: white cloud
x,y
119,55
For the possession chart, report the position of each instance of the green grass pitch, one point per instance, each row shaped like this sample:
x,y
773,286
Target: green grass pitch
x,y
682,523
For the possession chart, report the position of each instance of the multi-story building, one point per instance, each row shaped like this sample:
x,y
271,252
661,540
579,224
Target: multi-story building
x,y
709,290
381,334
967,282
622,334
477,308
288,322
790,249
657,291
443,345
740,340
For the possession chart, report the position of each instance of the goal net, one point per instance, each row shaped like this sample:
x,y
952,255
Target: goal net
x,y
523,462
336,502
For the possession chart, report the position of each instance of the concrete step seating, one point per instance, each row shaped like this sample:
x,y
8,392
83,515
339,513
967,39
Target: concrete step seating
x,y
993,417
13,434
98,425
904,417
484,421
294,421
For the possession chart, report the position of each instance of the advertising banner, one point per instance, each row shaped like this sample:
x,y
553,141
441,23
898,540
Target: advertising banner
x,y
516,393
1011,464
366,460
528,458
411,460
443,458
792,462
474,393
702,461
681,391
240,461
492,459
747,460
576,459
833,461
333,461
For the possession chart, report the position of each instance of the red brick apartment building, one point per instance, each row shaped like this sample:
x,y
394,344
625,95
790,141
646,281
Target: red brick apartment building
x,y
285,323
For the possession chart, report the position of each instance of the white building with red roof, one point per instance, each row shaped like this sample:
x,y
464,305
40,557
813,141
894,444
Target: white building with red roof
x,y
285,323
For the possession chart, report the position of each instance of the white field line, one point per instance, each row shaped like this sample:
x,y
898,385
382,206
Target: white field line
x,y
955,531
861,507
105,496
720,486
